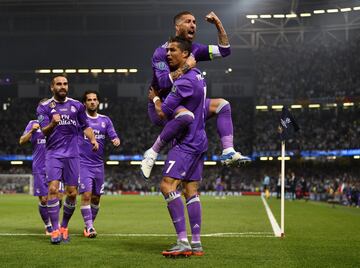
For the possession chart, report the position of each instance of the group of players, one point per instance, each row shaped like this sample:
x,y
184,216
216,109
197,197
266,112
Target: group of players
x,y
68,141
177,102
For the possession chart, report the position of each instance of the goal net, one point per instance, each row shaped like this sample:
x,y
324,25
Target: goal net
x,y
16,183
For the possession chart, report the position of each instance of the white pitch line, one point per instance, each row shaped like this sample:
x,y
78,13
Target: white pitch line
x,y
274,224
244,234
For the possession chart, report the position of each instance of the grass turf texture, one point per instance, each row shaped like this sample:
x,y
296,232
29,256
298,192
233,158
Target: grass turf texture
x,y
317,235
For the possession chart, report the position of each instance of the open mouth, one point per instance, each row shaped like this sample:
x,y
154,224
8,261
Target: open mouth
x,y
191,33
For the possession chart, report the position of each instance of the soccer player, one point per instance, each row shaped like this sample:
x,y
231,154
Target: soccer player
x,y
92,163
184,163
163,79
219,188
59,119
37,139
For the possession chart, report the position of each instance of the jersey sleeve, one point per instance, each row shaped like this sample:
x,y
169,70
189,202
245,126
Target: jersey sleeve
x,y
161,69
81,117
209,52
42,116
28,127
110,131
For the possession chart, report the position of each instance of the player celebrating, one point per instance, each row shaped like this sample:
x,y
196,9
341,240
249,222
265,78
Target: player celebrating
x,y
92,163
37,139
184,163
59,118
185,26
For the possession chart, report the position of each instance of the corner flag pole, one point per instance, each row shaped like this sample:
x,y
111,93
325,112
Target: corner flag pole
x,y
286,128
282,188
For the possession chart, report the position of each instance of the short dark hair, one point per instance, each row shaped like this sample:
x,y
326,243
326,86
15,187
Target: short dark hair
x,y
179,15
90,92
53,79
184,44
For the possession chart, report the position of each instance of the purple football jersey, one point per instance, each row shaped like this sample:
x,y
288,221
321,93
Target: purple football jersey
x,y
38,142
63,141
161,71
189,91
103,127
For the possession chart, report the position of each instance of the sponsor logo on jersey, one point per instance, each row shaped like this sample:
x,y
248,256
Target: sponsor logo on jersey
x,y
66,120
41,141
53,111
63,109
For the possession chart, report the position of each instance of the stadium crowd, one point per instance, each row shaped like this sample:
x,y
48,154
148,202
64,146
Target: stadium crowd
x,y
307,71
254,131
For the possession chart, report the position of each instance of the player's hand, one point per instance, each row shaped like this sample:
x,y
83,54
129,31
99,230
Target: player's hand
x,y
212,18
95,145
152,93
55,119
116,142
190,61
35,127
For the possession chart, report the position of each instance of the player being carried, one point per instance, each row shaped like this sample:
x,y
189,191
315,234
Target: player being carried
x,y
92,163
163,79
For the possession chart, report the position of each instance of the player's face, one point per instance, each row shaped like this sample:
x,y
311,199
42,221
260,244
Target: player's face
x,y
174,55
60,87
92,102
186,27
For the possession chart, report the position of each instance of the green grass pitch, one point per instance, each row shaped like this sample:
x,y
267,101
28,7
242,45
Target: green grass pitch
x,y
317,235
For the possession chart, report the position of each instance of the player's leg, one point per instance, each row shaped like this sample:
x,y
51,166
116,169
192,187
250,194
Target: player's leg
x,y
97,191
154,118
193,203
174,167
41,190
71,177
222,109
182,119
53,176
175,207
95,206
85,190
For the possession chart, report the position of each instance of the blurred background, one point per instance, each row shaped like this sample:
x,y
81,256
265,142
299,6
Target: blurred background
x,y
304,54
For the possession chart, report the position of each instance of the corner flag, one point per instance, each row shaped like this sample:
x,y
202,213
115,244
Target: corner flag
x,y
287,125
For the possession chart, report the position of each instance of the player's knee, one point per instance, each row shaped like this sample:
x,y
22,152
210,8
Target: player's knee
x,y
185,117
43,200
95,200
166,188
222,105
53,189
86,197
71,192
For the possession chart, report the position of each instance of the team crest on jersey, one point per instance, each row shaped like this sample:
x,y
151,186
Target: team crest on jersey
x,y
73,109
52,104
173,89
161,65
40,118
103,125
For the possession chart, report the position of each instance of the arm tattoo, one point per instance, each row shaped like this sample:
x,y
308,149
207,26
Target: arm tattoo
x,y
176,74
